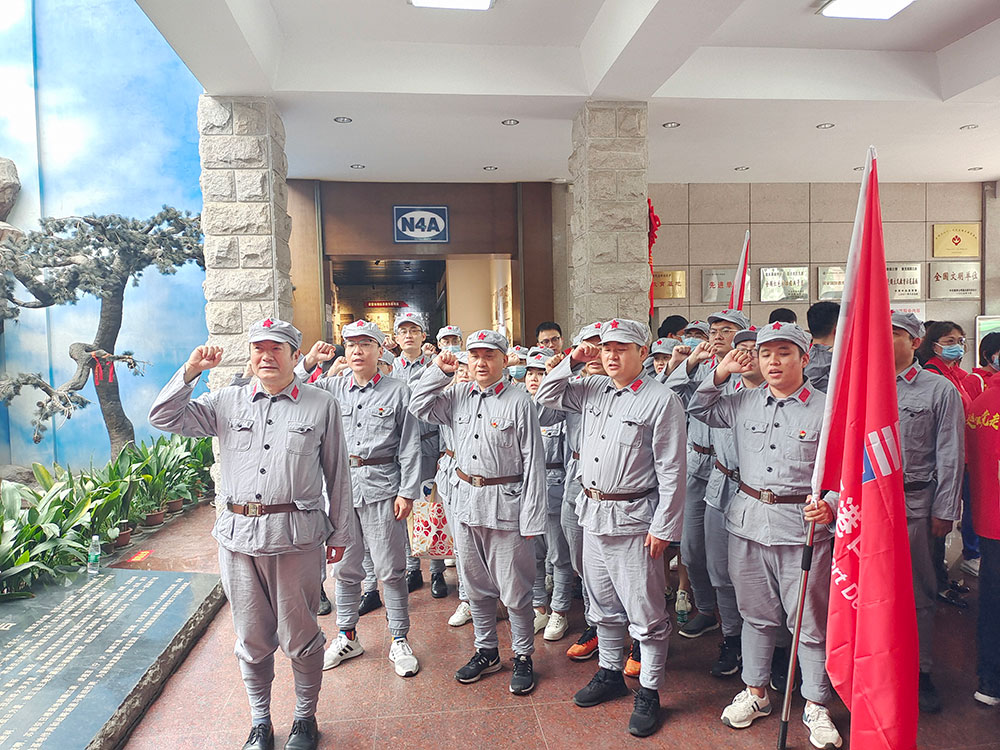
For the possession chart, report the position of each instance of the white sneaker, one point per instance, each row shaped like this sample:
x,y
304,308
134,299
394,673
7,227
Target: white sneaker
x,y
970,566
822,733
550,583
556,627
449,562
401,655
541,620
682,604
986,699
462,615
341,649
744,709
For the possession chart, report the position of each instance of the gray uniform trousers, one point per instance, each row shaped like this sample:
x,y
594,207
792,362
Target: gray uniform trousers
x,y
553,549
376,524
444,495
572,530
767,579
626,594
498,565
693,553
274,600
717,556
924,585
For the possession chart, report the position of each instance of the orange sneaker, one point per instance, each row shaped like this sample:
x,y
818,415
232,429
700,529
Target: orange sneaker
x,y
585,647
634,664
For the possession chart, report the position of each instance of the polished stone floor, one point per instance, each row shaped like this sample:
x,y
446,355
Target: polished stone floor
x,y
365,705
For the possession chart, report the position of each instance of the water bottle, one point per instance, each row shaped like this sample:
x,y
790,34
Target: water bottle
x,y
94,556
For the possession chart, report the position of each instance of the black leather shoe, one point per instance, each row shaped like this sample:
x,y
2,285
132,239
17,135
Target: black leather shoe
x,y
439,588
370,601
730,657
645,714
261,737
484,661
522,681
950,596
304,735
927,695
414,580
606,685
325,607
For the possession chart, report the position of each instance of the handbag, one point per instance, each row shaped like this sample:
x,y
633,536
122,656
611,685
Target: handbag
x,y
430,535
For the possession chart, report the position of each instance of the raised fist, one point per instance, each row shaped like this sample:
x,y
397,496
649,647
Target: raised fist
x,y
736,362
203,358
586,352
447,361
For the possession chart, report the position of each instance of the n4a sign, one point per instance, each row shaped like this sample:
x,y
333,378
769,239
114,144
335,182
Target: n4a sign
x,y
420,223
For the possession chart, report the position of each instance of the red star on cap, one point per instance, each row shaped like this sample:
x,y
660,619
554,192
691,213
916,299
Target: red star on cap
x,y
597,325
752,328
614,323
482,335
659,341
776,326
268,323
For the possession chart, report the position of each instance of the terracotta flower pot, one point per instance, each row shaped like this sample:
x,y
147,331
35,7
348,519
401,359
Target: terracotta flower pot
x,y
124,539
175,506
154,519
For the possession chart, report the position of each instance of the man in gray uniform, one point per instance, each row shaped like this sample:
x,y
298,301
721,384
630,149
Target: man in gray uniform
x,y
408,328
499,504
383,444
822,318
776,428
284,494
932,437
632,468
701,360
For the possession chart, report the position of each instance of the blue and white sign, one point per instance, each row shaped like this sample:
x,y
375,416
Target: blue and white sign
x,y
420,223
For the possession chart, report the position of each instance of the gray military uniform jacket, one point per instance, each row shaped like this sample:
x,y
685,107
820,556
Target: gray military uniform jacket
x,y
633,440
698,464
818,369
496,434
287,448
377,424
553,428
932,433
409,371
721,487
776,443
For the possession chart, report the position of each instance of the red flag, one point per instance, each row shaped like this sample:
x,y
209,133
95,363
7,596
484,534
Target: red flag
x,y
871,640
738,294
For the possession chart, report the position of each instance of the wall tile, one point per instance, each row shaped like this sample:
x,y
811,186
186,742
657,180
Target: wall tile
x,y
671,248
723,203
779,201
905,240
717,244
784,244
903,201
833,201
670,200
830,242
954,202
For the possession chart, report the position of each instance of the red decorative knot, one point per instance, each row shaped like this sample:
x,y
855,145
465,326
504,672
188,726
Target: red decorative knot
x,y
482,335
777,326
614,323
268,323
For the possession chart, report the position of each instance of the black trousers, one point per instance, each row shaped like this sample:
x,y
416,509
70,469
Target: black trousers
x,y
988,635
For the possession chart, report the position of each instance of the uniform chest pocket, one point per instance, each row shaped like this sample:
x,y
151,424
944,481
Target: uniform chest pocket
x,y
502,431
382,418
592,418
802,444
238,434
462,424
302,438
754,436
916,425
630,432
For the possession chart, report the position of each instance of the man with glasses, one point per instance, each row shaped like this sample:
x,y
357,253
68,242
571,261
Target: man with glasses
x,y
700,363
549,336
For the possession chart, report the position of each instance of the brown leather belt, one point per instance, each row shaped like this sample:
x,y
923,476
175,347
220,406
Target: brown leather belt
x,y
446,452
478,481
915,486
555,465
357,461
621,497
769,498
731,473
709,451
576,456
261,509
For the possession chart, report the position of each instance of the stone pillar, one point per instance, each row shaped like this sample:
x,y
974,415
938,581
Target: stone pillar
x,y
245,222
609,267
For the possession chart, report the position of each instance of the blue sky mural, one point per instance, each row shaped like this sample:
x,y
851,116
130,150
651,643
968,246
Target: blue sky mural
x,y
116,132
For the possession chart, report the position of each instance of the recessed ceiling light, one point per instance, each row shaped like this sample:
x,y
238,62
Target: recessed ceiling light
x,y
825,126
859,169
975,169
671,125
510,121
491,168
970,126
741,169
357,166
453,4
343,120
874,10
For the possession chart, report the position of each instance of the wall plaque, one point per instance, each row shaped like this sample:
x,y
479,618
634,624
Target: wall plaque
x,y
670,284
951,280
830,282
784,283
717,284
904,280
956,240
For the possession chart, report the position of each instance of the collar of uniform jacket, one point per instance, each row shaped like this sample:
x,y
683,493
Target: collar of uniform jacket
x,y
803,394
635,386
494,390
910,373
373,382
407,362
292,391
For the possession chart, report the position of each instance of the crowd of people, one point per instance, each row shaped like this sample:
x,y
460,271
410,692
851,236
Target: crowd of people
x,y
592,468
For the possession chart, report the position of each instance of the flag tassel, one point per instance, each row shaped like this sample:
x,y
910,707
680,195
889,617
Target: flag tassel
x,y
786,705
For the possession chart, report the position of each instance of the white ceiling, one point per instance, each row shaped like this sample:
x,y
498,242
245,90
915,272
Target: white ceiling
x,y
747,79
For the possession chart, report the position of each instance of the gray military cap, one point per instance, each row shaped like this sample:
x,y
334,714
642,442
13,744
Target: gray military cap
x,y
520,351
909,323
272,329
449,331
589,332
779,331
408,317
538,356
697,325
487,339
748,334
736,317
360,328
387,357
625,332
663,346
463,358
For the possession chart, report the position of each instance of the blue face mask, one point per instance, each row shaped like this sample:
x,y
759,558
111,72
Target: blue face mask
x,y
952,352
692,342
517,372
451,348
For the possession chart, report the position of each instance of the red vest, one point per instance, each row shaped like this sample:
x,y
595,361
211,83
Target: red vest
x,y
982,435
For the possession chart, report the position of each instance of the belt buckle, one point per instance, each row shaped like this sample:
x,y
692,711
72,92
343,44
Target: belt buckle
x,y
735,475
254,509
593,494
477,481
767,497
355,461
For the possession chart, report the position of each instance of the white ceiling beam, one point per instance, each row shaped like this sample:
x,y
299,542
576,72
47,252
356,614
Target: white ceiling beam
x,y
969,67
